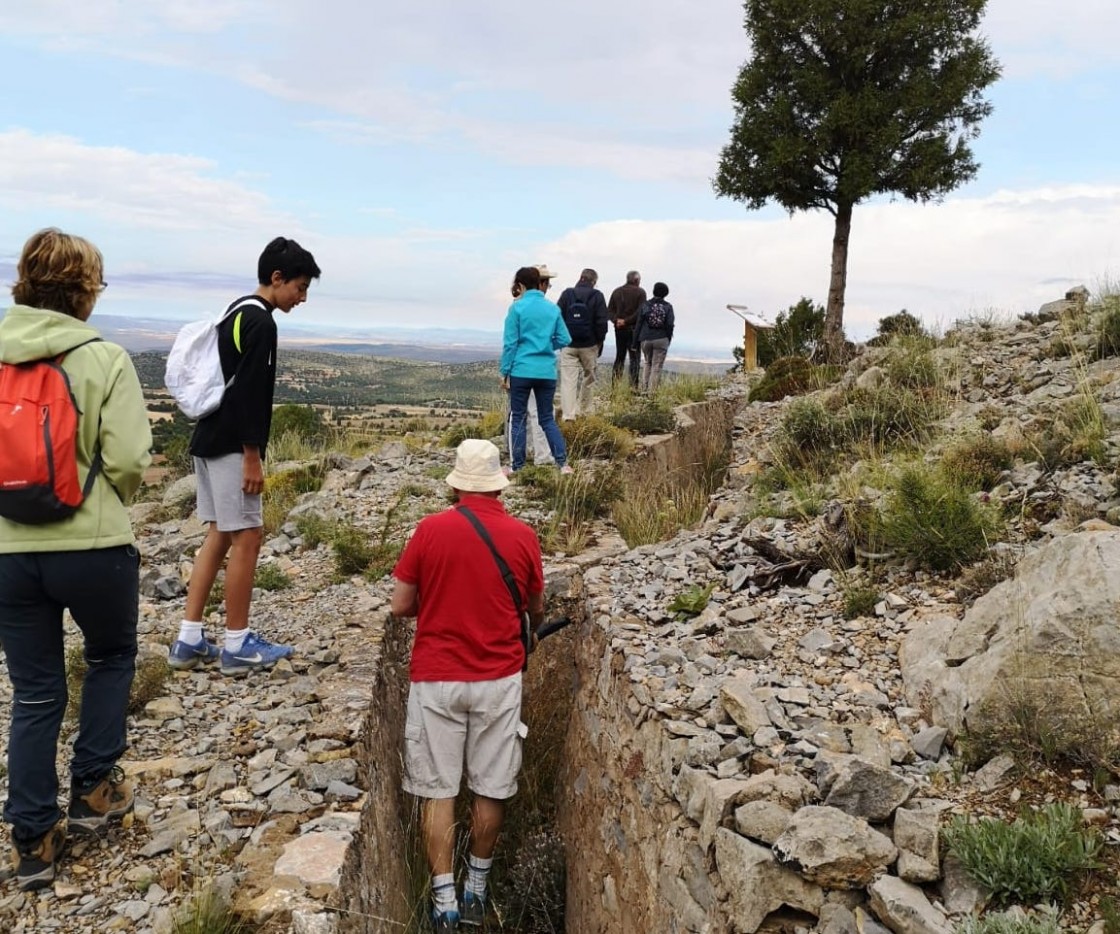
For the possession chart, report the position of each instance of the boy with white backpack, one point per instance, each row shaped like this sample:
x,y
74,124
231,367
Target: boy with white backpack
x,y
228,449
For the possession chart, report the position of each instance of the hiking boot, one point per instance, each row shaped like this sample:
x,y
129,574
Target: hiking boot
x,y
445,922
93,806
473,910
183,655
35,861
256,654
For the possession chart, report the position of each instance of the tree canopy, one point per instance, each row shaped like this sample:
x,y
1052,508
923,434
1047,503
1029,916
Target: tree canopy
x,y
845,99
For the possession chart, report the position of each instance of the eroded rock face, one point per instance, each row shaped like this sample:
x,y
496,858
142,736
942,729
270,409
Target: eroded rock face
x,y
757,884
1047,636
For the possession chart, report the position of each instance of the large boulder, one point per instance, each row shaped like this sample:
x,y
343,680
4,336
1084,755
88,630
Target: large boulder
x,y
1047,638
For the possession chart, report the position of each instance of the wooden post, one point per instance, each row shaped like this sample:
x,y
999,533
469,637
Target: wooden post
x,y
750,348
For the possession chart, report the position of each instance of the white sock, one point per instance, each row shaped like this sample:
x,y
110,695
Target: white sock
x,y
443,893
189,632
235,638
477,871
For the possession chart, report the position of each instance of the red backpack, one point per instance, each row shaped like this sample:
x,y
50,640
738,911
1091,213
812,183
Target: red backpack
x,y
39,438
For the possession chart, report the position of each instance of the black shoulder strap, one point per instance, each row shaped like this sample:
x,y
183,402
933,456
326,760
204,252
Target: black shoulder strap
x,y
507,575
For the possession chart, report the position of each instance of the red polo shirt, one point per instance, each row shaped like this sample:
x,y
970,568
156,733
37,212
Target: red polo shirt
x,y
467,628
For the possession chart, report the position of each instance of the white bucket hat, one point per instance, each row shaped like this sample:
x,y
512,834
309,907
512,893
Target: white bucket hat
x,y
478,468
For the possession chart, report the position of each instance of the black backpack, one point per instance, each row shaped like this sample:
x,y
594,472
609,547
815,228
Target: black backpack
x,y
578,316
657,315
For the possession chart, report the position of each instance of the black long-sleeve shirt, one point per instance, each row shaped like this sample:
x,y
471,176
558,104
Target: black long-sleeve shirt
x,y
245,415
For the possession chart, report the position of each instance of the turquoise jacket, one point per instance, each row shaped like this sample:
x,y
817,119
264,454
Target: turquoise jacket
x,y
534,331
114,418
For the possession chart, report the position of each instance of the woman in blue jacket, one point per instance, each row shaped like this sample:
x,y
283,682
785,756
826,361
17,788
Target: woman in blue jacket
x,y
534,331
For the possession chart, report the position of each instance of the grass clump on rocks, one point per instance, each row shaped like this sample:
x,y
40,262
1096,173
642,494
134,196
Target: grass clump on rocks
x,y
786,376
977,461
1038,857
490,424
271,576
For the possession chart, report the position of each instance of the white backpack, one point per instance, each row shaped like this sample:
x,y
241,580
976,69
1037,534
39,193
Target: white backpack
x,y
194,368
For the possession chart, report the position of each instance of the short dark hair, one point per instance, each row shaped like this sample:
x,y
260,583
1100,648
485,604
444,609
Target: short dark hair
x,y
528,276
287,258
660,290
590,276
633,277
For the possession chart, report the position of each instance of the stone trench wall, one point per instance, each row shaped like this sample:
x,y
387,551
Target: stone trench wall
x,y
634,860
625,838
374,888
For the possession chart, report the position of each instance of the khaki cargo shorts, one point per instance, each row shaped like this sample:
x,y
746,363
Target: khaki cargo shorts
x,y
449,718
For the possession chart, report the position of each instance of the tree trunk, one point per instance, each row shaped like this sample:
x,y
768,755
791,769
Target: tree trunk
x,y
834,314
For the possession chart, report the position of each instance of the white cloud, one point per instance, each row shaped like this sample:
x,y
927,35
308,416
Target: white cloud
x,y
151,191
1055,40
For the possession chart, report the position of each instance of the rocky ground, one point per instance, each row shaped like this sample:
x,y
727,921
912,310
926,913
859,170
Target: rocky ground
x,y
224,765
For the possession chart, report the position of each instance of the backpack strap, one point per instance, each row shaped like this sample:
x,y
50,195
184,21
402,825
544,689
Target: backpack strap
x,y
238,306
97,463
507,576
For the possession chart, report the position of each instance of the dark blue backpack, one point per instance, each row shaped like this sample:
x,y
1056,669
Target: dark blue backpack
x,y
578,316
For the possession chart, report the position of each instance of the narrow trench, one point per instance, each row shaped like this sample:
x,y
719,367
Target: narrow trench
x,y
543,881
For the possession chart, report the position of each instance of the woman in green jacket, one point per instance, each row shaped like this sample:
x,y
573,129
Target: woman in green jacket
x,y
87,564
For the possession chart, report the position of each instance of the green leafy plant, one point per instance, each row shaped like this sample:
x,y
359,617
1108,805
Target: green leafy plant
x,y
1036,858
691,602
646,417
1044,922
271,576
795,333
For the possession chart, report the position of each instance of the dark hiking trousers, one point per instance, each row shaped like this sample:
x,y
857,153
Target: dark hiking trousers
x,y
622,339
100,588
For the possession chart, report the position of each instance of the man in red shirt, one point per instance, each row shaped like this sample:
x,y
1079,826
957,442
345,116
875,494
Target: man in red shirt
x,y
467,658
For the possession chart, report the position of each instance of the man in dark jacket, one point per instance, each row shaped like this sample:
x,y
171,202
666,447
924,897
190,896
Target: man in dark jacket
x,y
228,450
585,314
623,311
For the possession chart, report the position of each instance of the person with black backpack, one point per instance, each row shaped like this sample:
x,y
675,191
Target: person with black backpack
x,y
585,313
653,334
66,543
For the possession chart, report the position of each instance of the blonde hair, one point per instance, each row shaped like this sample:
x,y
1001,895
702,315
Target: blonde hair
x,y
58,271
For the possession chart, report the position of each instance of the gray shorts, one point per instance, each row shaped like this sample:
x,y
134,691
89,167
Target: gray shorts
x,y
220,497
446,719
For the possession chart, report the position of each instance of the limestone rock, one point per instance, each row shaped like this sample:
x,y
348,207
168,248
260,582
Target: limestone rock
x,y
905,909
757,884
833,849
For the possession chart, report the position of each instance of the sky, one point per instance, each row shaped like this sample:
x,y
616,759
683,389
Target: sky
x,y
423,151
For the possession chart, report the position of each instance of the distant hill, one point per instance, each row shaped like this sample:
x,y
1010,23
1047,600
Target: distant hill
x,y
354,380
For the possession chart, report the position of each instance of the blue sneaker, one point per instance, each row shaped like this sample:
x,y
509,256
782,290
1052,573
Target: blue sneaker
x,y
474,910
183,655
445,922
256,654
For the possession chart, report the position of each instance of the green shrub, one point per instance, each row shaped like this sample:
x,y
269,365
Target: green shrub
x,y
808,427
490,424
902,324
977,462
593,436
860,600
796,333
786,376
911,364
282,491
1036,858
935,522
353,552
206,912
304,421
1108,333
271,577
313,529
888,416
1039,923
646,417
148,682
